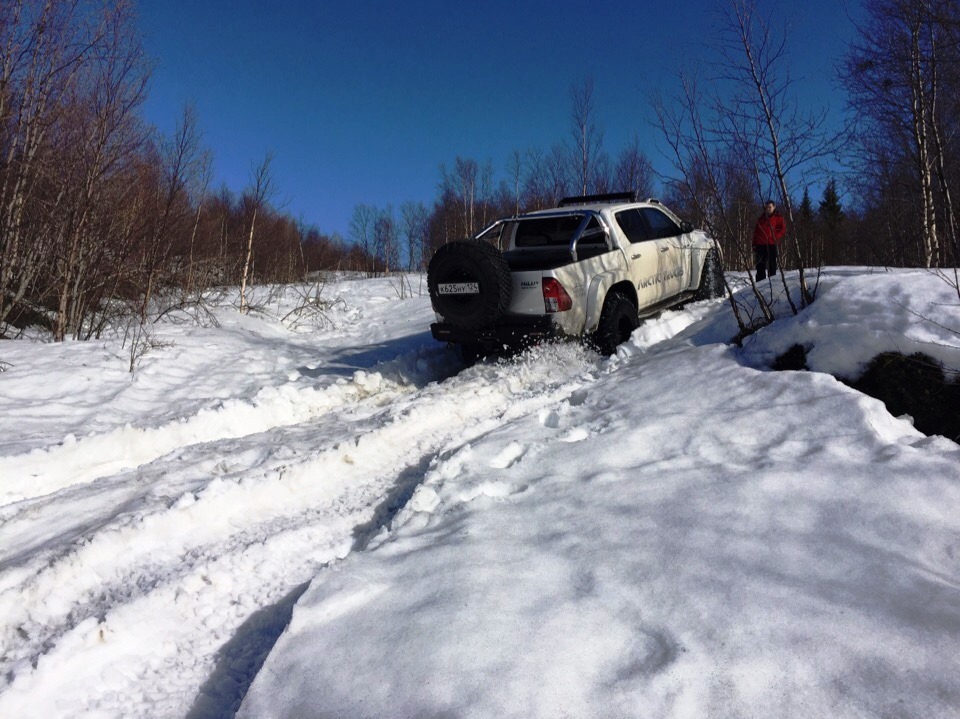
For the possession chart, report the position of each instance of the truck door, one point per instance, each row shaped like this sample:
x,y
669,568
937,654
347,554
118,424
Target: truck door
x,y
643,257
673,252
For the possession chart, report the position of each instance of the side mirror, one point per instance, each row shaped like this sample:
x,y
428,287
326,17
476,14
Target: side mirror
x,y
686,227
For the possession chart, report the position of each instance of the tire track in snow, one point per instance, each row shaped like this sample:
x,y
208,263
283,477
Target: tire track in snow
x,y
197,556
82,460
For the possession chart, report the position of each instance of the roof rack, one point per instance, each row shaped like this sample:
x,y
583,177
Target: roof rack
x,y
606,197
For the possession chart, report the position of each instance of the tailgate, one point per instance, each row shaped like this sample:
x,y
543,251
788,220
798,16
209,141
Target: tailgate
x,y
527,296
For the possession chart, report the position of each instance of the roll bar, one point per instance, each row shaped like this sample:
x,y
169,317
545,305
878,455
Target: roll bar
x,y
577,235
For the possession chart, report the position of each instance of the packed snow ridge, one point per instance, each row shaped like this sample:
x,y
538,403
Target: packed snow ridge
x,y
343,521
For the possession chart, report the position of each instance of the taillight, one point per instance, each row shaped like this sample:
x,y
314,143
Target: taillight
x,y
555,298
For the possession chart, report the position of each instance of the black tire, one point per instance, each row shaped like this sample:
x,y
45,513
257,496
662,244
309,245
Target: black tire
x,y
618,320
711,278
470,261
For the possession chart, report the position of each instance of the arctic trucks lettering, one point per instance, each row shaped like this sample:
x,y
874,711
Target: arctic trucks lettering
x,y
593,267
660,277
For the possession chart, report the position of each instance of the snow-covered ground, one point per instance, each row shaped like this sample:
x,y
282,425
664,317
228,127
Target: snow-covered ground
x,y
342,522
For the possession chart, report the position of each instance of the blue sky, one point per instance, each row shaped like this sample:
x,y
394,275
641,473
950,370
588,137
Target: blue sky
x,y
361,102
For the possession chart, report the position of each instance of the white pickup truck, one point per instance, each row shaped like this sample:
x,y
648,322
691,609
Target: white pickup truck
x,y
593,267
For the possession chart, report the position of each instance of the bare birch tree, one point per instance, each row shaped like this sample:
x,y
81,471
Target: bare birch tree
x,y
746,130
587,136
633,170
260,191
361,233
105,132
181,160
902,76
515,173
535,185
557,173
66,72
707,181
466,174
386,240
783,142
414,218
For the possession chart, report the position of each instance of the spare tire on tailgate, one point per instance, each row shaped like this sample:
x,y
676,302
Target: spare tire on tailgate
x,y
469,283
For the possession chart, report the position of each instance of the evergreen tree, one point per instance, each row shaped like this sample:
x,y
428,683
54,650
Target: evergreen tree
x,y
805,213
831,211
806,230
832,224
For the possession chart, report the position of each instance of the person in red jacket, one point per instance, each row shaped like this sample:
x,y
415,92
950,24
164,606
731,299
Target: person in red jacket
x,y
770,228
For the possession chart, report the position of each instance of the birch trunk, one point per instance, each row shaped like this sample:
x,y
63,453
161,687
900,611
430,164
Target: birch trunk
x,y
941,164
246,264
920,126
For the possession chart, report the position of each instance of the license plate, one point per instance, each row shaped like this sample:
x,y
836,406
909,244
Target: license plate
x,y
459,288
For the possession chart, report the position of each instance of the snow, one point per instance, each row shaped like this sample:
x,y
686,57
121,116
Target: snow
x,y
339,520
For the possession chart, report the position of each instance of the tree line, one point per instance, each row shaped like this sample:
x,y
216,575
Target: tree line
x,y
471,194
736,135
739,135
102,217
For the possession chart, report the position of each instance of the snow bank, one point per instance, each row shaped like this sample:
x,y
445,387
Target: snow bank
x,y
686,537
673,531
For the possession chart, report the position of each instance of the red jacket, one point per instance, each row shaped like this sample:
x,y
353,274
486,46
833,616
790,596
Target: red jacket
x,y
769,230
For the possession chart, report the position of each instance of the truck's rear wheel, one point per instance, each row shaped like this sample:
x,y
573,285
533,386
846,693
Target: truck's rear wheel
x,y
618,320
469,283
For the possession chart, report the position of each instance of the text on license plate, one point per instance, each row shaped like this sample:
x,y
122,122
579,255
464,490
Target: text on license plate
x,y
459,288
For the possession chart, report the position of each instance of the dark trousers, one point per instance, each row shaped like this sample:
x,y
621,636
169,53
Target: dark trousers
x,y
766,259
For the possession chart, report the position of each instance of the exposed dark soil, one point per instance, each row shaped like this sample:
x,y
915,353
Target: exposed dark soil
x,y
915,385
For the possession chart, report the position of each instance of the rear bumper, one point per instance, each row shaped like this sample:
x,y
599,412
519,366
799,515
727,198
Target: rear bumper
x,y
503,335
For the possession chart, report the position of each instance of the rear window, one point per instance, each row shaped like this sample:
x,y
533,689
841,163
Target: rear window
x,y
555,231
